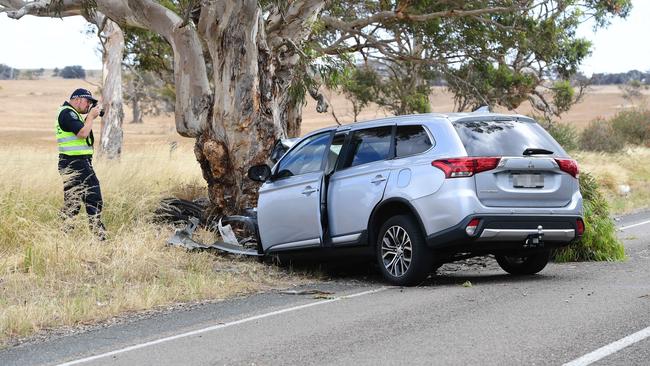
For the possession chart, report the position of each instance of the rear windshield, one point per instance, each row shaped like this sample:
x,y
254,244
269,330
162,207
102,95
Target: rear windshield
x,y
505,138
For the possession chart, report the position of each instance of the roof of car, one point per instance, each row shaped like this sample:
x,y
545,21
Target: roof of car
x,y
480,115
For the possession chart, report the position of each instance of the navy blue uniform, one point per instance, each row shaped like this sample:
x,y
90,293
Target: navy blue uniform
x,y
80,183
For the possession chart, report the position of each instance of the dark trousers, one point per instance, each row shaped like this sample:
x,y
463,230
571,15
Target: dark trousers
x,y
80,184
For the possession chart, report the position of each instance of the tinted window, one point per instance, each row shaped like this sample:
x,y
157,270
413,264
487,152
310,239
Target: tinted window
x,y
505,138
410,140
369,145
305,158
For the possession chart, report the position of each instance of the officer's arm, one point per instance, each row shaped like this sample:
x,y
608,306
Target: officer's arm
x,y
88,124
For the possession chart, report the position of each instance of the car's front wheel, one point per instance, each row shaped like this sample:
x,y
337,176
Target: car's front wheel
x,y
402,253
524,265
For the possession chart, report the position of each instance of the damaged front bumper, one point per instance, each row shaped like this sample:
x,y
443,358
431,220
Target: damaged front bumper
x,y
244,240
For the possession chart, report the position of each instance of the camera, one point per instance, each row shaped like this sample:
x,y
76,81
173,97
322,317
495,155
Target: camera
x,y
101,111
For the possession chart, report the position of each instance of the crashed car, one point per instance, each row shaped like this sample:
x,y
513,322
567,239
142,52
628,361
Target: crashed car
x,y
420,190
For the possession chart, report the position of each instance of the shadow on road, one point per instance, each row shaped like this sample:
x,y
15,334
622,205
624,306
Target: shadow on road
x,y
478,270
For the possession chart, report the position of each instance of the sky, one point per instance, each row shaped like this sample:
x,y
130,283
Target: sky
x,y
33,43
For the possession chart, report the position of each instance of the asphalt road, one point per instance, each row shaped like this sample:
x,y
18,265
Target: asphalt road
x,y
556,317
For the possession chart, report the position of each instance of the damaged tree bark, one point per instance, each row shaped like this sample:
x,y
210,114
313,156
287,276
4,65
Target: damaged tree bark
x,y
253,70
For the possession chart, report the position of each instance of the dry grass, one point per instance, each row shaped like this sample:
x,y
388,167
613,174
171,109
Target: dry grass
x,y
629,167
49,279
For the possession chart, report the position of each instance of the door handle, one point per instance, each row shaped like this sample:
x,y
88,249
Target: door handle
x,y
378,179
309,190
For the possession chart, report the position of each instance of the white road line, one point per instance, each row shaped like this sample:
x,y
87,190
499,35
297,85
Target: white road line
x,y
219,326
610,348
633,225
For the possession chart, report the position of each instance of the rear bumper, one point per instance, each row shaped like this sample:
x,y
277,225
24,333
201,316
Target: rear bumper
x,y
495,233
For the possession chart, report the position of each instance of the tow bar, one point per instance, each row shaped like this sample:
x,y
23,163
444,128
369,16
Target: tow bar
x,y
535,240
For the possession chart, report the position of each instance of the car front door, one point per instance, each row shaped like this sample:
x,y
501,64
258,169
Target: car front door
x,y
358,183
288,208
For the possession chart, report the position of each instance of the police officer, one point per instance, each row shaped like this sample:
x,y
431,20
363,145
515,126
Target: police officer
x,y
75,139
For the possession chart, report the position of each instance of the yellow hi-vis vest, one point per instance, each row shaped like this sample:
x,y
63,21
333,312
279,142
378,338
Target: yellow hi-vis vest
x,y
69,143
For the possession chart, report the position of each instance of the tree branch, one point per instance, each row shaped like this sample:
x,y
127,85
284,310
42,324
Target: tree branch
x,y
193,94
389,16
45,8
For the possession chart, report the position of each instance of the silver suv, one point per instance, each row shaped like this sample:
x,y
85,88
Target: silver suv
x,y
421,190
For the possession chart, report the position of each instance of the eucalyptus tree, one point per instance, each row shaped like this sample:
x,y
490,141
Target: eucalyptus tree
x,y
242,67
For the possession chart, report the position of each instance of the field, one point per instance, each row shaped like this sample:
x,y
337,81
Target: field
x,y
51,279
28,107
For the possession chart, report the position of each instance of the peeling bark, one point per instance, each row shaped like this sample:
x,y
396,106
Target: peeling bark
x,y
111,127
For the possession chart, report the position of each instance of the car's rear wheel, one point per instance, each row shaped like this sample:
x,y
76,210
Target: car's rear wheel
x,y
524,265
402,254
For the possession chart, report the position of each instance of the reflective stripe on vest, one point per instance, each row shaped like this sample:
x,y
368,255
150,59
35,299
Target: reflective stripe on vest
x,y
69,143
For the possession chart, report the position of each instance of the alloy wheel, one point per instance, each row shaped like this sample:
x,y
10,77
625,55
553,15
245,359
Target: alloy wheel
x,y
396,251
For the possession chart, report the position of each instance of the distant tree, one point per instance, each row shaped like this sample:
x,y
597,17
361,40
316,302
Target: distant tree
x,y
149,86
56,71
633,90
28,75
360,87
73,72
620,78
8,73
147,94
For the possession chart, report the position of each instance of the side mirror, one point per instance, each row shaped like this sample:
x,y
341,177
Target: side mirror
x,y
259,173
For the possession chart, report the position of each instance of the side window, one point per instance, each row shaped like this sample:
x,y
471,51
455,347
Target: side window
x,y
369,145
305,158
411,140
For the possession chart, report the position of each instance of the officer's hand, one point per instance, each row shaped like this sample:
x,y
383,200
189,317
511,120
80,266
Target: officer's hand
x,y
94,112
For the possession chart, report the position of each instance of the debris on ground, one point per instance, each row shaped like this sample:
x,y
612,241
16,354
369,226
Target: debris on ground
x,y
305,292
239,234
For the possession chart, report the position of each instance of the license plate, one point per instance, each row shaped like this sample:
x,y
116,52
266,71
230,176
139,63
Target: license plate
x,y
528,180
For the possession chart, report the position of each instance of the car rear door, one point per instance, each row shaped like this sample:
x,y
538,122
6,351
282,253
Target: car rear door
x,y
288,211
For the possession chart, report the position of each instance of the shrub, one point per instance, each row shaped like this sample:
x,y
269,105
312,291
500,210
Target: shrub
x,y
600,136
599,242
633,126
73,72
565,134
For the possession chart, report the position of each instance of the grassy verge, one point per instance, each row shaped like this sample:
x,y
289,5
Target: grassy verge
x,y
50,279
626,168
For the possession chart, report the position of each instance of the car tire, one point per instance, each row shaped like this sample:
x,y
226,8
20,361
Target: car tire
x,y
524,265
402,254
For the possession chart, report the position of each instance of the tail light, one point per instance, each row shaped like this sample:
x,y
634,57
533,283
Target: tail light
x,y
569,166
471,227
580,227
465,167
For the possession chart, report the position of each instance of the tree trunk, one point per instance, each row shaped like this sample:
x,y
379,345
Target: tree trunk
x,y
111,132
242,122
253,71
137,112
